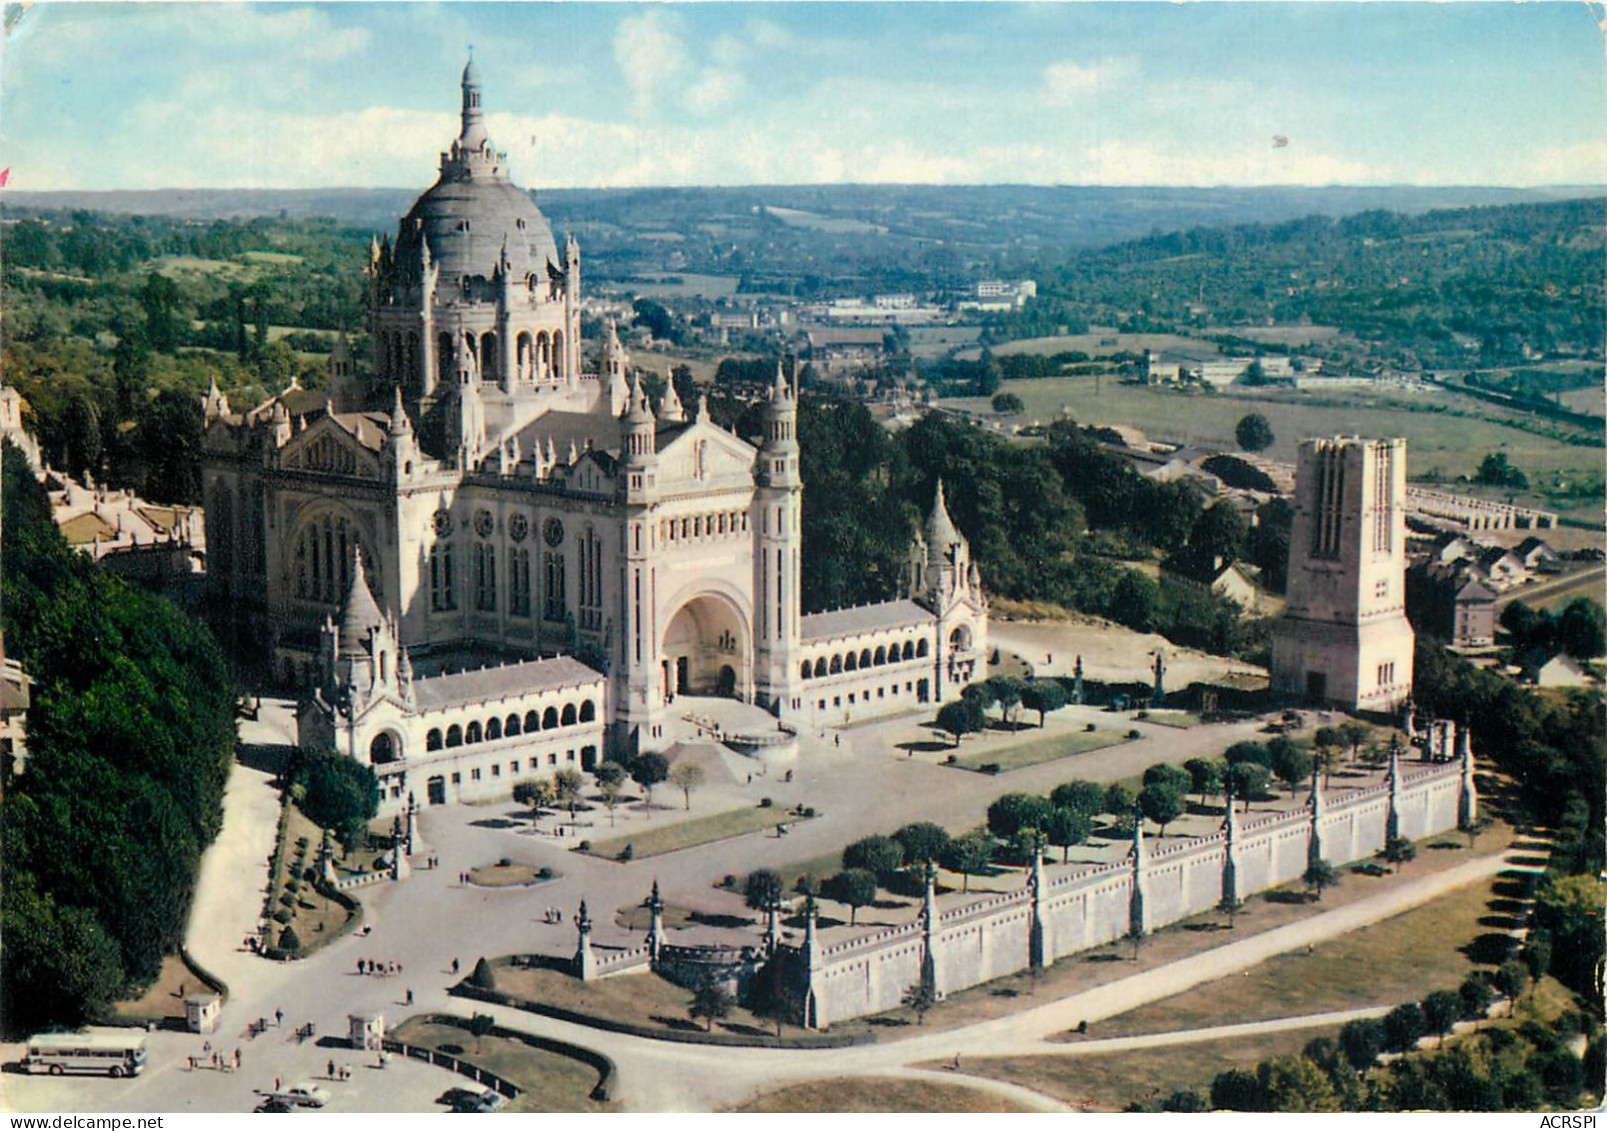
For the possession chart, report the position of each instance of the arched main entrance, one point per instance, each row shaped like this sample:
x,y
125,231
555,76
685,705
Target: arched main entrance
x,y
706,650
386,747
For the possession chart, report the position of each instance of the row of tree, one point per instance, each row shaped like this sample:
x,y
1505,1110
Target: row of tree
x,y
131,734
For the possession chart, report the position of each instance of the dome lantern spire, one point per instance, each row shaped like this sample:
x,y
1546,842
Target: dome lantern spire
x,y
473,134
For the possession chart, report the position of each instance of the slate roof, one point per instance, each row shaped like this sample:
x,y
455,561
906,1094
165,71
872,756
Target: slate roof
x,y
861,619
503,682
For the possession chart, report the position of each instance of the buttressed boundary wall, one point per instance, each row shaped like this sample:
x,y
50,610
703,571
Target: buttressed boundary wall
x,y
967,946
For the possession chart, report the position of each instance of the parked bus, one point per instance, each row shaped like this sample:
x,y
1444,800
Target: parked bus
x,y
116,1052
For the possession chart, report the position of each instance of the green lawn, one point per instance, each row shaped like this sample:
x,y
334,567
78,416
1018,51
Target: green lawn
x,y
872,1094
689,834
549,1082
1038,751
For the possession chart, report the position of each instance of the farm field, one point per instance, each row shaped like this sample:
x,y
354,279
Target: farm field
x,y
1453,444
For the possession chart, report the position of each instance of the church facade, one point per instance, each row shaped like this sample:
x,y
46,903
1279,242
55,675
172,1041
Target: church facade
x,y
478,528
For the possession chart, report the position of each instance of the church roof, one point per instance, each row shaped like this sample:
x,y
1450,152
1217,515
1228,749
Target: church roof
x,y
474,214
360,615
502,682
883,617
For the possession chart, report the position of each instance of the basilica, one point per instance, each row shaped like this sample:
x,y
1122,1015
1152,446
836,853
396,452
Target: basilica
x,y
481,559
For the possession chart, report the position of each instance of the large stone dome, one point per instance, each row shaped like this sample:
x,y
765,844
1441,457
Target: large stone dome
x,y
474,210
467,222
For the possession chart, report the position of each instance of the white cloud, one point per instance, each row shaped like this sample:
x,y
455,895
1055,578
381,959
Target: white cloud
x,y
1582,164
714,90
1068,81
1139,163
650,57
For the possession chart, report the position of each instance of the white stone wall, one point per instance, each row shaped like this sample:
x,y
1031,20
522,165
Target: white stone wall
x,y
990,939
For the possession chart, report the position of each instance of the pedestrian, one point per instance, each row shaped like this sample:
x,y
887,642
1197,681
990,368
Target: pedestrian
x,y
359,966
181,988
956,1062
409,997
330,1070
276,1083
192,1063
454,966
279,1018
206,1048
836,740
237,1060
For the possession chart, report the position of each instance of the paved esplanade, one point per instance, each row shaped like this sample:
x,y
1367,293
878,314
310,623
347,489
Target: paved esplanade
x,y
863,785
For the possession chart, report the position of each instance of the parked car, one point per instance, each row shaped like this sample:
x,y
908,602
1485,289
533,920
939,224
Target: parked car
x,y
480,1102
303,1094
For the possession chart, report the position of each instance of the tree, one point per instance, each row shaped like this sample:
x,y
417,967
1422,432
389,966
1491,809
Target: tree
x,y
1119,800
483,976
647,770
686,776
1135,601
854,886
1582,629
1007,694
1511,978
1254,433
535,794
1008,404
1219,534
336,792
1398,850
1164,773
712,1002
763,890
970,854
159,297
1536,953
879,855
1362,1040
1249,781
1249,752
1237,1090
1403,1027
480,1024
920,997
1161,803
1066,827
610,792
1441,1009
289,941
1319,876
960,718
609,770
1476,996
1496,471
1293,1083
1186,1101
1085,797
1206,776
922,842
1043,696
131,371
1016,811
1290,763
1568,909
566,788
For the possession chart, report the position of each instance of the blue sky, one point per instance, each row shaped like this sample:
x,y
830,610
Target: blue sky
x,y
284,95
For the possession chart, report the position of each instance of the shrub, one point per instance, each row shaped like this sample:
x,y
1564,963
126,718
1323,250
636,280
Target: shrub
x,y
505,862
1135,733
1089,728
545,872
282,916
483,977
765,802
990,768
288,940
627,853
583,846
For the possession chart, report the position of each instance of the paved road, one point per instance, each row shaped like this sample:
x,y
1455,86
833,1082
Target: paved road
x,y
864,784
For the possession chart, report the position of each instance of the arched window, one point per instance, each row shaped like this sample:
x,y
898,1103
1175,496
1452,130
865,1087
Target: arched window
x,y
454,735
557,354
549,718
880,657
836,664
472,735
511,726
588,711
568,718
805,670
493,729
383,749
922,648
532,722
909,650
864,658
820,667
432,741
850,663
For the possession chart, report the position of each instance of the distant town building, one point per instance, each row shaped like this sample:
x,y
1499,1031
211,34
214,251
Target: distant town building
x,y
149,542
1344,638
11,427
